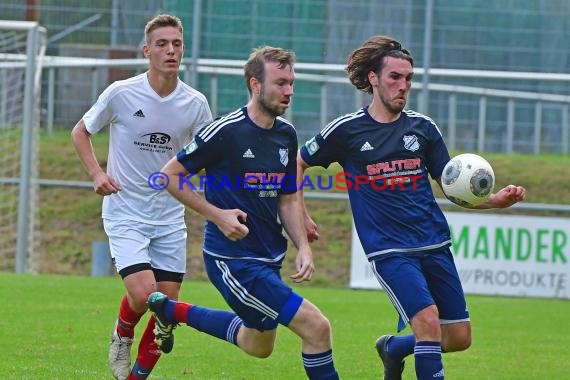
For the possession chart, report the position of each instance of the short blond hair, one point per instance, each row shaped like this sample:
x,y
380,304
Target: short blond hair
x,y
161,21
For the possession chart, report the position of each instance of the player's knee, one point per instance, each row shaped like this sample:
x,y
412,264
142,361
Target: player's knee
x,y
426,325
321,329
259,351
255,343
138,301
462,342
427,319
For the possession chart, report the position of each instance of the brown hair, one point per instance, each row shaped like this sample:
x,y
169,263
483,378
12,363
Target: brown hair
x,y
370,57
255,65
161,21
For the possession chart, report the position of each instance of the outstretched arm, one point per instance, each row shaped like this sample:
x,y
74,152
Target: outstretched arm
x,y
291,218
506,197
230,222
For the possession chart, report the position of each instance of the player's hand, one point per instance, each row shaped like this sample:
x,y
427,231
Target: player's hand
x,y
311,228
105,185
508,196
304,266
232,224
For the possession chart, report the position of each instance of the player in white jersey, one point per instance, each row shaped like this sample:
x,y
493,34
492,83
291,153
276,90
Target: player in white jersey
x,y
151,117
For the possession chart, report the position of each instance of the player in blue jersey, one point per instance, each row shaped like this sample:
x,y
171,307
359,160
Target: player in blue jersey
x,y
249,157
391,152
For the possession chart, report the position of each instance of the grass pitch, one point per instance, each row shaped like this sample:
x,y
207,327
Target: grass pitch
x,y
58,327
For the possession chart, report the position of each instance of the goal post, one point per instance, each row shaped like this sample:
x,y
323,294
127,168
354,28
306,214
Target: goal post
x,y
22,47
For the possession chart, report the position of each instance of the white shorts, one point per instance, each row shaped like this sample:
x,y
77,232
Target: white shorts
x,y
161,246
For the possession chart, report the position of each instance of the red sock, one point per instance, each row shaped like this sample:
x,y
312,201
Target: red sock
x,y
128,319
148,353
181,311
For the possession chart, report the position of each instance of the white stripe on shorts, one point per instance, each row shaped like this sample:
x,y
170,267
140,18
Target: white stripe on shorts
x,y
242,294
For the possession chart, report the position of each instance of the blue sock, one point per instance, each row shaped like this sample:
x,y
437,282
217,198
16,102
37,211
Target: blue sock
x,y
320,366
139,372
401,346
219,323
168,310
428,360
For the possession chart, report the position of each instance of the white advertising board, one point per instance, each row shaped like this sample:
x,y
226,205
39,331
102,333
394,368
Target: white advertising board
x,y
498,255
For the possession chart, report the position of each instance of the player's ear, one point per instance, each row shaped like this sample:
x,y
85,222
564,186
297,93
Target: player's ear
x,y
146,50
255,85
372,78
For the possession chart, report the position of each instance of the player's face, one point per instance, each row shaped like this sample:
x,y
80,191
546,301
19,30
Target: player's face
x,y
392,85
276,90
165,49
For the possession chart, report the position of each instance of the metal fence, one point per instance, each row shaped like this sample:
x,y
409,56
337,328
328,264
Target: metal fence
x,y
471,118
511,39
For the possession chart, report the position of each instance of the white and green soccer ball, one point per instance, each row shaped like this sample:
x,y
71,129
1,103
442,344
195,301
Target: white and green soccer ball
x,y
468,180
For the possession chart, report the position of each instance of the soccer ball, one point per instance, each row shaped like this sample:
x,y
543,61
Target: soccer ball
x,y
468,180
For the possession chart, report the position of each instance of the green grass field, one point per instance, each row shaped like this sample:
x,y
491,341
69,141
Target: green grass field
x,y
58,327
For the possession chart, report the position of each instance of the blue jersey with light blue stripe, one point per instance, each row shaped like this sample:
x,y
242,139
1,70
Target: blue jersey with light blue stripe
x,y
245,166
386,170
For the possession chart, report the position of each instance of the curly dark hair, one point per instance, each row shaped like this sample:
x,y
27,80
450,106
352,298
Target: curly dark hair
x,y
370,57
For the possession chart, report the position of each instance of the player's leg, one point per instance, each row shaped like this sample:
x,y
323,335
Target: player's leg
x,y
129,250
401,277
167,252
447,292
221,324
149,349
427,350
256,293
315,331
455,336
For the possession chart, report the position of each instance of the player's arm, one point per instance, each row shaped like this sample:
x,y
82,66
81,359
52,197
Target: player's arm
x,y
102,183
230,222
310,225
290,215
506,197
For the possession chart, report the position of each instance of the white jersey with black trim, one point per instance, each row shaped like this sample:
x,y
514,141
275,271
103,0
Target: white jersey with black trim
x,y
146,130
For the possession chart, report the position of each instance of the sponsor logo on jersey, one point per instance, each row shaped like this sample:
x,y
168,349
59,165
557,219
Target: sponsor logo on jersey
x,y
262,180
157,138
156,142
407,164
139,113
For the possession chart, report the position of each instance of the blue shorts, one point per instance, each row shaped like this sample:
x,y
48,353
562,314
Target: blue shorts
x,y
414,281
254,291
